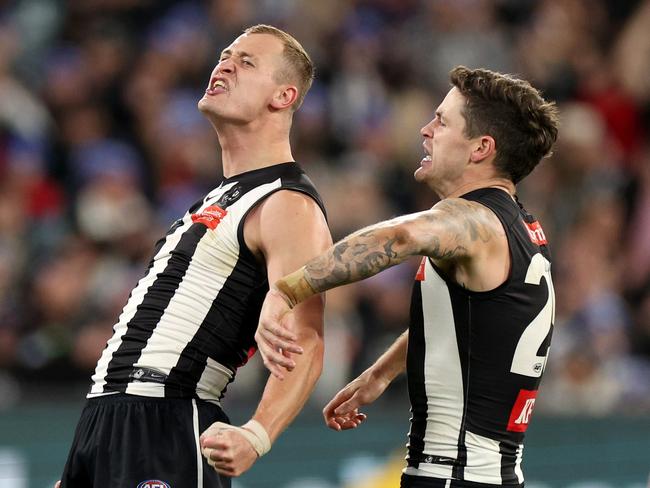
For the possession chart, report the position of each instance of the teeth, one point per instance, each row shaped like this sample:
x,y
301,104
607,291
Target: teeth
x,y
218,83
427,157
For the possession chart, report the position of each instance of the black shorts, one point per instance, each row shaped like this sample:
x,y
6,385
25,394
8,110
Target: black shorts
x,y
409,481
142,442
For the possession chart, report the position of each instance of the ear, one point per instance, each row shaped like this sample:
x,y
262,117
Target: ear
x,y
284,97
484,148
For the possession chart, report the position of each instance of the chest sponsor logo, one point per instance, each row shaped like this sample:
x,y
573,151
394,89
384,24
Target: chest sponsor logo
x,y
419,276
154,484
211,216
522,410
536,233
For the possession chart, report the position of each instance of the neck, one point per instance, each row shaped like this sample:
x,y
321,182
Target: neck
x,y
246,148
496,182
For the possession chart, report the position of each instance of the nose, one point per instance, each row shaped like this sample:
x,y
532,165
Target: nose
x,y
226,66
427,130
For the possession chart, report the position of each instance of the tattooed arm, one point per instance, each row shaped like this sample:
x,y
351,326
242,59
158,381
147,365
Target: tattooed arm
x,y
452,233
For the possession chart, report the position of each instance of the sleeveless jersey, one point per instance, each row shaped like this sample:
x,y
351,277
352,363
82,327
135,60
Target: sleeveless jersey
x,y
190,321
475,359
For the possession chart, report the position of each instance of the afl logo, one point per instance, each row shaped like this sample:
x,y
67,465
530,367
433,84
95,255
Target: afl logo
x,y
153,484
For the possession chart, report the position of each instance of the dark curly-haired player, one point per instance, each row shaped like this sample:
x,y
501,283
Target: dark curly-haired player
x,y
483,303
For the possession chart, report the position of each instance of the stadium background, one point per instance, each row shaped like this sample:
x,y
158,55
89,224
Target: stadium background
x,y
101,147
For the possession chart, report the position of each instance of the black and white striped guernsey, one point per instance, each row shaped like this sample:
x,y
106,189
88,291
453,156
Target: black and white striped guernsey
x,y
190,321
475,359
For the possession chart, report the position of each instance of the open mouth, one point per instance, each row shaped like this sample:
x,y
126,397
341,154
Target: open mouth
x,y
217,85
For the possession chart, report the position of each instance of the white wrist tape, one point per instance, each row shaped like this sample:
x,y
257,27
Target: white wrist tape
x,y
257,436
253,431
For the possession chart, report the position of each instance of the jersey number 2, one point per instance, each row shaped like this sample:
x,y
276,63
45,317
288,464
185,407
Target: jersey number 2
x,y
525,360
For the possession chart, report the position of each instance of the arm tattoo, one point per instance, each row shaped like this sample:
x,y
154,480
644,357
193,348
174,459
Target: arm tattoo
x,y
440,252
455,227
354,258
463,227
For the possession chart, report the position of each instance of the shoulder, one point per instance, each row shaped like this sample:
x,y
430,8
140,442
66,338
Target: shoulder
x,y
455,229
285,215
288,204
473,217
461,208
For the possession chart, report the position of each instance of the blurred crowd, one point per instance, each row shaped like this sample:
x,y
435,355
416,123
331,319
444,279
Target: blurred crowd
x,y
102,147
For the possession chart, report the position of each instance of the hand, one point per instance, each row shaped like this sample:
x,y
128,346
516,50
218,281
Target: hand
x,y
275,340
342,412
57,484
227,451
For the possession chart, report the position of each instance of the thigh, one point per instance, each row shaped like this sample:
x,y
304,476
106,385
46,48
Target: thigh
x,y
76,472
144,443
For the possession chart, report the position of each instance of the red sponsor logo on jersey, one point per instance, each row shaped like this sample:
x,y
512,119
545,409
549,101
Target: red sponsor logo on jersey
x,y
536,233
210,216
522,410
419,276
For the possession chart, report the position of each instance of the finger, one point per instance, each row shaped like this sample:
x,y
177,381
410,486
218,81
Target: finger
x,y
278,331
333,424
275,355
221,458
218,458
344,422
275,370
339,424
225,470
335,403
348,423
272,339
342,396
57,484
207,454
357,419
347,407
276,358
217,442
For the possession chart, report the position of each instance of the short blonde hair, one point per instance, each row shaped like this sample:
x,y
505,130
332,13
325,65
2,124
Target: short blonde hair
x,y
301,67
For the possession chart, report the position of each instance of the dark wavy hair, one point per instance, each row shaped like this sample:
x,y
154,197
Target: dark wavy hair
x,y
524,125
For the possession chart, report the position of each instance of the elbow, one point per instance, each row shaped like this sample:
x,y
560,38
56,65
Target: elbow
x,y
405,243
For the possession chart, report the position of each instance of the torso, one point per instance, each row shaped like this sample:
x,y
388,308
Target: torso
x,y
190,321
475,359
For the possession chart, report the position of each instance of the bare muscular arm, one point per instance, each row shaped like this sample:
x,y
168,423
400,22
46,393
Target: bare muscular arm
x,y
285,230
462,237
451,233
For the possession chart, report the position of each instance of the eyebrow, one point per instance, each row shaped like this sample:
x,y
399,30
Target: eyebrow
x,y
241,54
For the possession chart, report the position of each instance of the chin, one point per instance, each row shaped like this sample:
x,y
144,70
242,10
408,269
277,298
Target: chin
x,y
203,106
420,175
